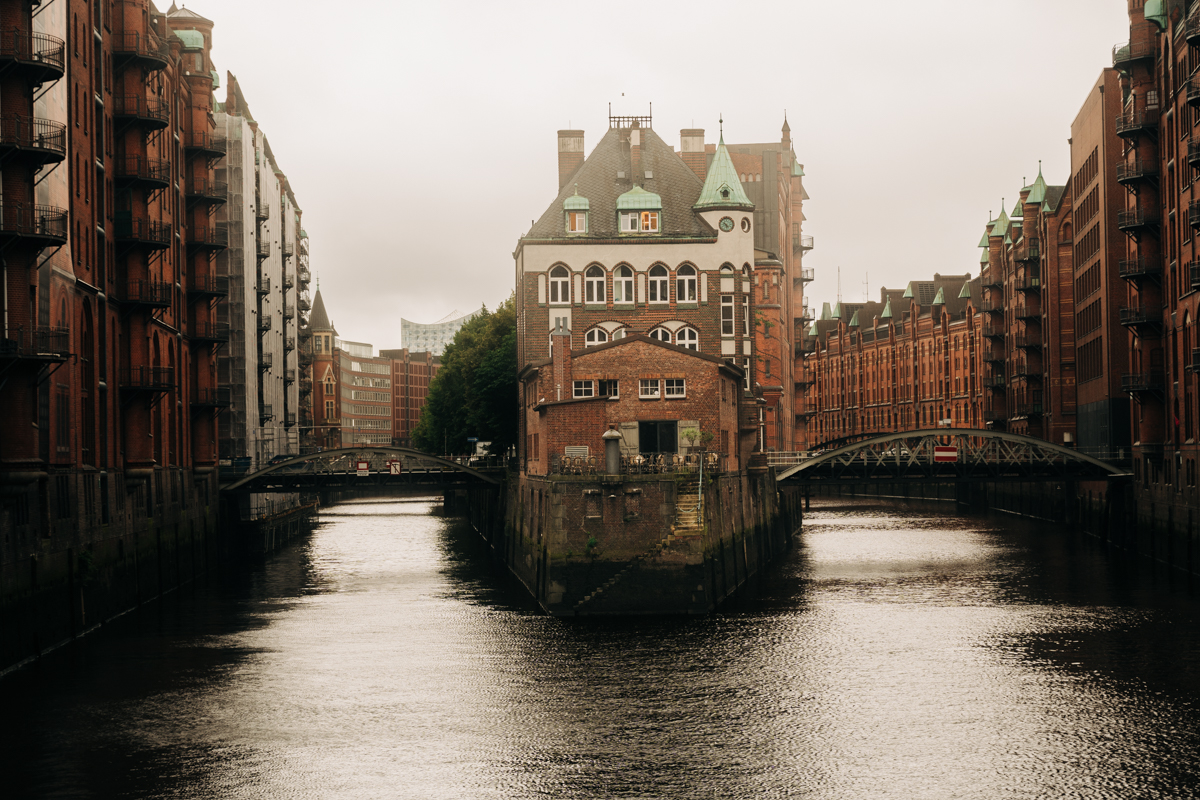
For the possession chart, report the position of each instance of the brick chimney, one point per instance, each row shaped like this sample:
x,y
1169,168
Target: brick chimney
x,y
570,155
691,149
635,154
560,356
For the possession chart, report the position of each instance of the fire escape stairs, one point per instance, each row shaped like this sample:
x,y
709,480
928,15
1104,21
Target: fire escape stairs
x,y
687,523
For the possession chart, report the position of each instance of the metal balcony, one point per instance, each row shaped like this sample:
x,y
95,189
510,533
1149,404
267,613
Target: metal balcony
x,y
1193,93
991,280
304,304
208,237
806,275
992,306
221,397
147,379
266,361
36,344
994,381
151,173
144,232
207,143
148,294
992,357
1126,54
1029,409
209,333
993,330
1135,123
289,344
1141,316
264,324
34,140
289,312
288,250
1028,283
1024,372
266,413
1135,269
264,285
1030,251
44,225
1026,342
991,415
804,381
206,190
140,49
288,281
1029,314
1194,213
1193,153
304,276
150,113
806,315
1139,220
1194,364
1136,383
1137,172
289,419
289,376
262,211
36,57
264,249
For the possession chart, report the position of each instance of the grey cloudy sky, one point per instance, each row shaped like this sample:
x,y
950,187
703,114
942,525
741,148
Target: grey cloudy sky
x,y
420,137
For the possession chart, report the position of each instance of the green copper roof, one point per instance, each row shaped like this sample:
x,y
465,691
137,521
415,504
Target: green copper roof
x,y
216,79
812,329
1017,212
983,242
965,294
1037,192
837,312
854,320
887,310
303,233
908,292
577,203
192,40
722,189
983,257
940,298
797,170
826,314
1008,238
1001,226
637,199
1155,13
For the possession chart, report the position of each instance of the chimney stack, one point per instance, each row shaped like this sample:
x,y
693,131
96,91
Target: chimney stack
x,y
570,155
691,149
635,154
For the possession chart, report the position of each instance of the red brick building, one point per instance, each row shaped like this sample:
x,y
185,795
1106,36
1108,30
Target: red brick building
x,y
411,375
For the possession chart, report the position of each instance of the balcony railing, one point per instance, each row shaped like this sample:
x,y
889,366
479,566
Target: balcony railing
x,y
991,415
992,306
289,419
148,50
1194,366
1135,122
1140,267
147,379
210,332
1029,409
264,249
305,276
1137,171
806,243
806,275
1193,93
289,312
287,249
39,222
266,361
264,285
41,56
262,211
992,357
1193,153
1194,213
288,281
1141,315
36,344
993,329
138,169
991,280
1028,283
289,344
1028,313
155,294
1137,218
208,142
289,376
220,397
1126,53
304,304
264,324
1138,382
153,113
212,237
1024,372
266,412
43,140
1030,251
208,190
1025,342
994,381
143,231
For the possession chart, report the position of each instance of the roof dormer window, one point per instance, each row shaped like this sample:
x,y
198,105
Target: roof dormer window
x,y
639,211
575,209
576,222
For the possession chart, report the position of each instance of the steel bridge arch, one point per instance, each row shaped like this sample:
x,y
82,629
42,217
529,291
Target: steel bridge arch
x,y
370,453
980,452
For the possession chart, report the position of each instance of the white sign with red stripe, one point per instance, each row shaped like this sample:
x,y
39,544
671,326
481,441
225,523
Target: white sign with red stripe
x,y
942,454
364,468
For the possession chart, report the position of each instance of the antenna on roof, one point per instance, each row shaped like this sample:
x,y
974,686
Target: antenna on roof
x,y
839,285
721,122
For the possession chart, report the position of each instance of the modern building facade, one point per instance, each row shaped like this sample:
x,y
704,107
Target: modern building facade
x,y
434,336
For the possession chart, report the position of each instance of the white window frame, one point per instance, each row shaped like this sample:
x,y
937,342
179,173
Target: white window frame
x,y
688,337
660,285
661,334
727,315
594,285
630,221
583,389
560,286
612,385
674,388
685,284
594,337
745,315
576,222
746,377
623,285
649,221
649,388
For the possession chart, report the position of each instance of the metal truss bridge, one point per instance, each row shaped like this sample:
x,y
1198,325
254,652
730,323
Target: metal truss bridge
x,y
950,455
362,467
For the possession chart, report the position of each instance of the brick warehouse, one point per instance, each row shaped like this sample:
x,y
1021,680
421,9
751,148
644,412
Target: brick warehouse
x,y
110,238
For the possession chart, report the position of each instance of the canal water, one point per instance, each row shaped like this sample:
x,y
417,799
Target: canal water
x,y
898,651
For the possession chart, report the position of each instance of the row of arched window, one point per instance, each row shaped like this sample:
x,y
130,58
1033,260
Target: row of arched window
x,y
595,285
686,336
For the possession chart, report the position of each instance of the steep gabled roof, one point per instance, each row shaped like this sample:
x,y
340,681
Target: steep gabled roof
x,y
722,186
607,174
319,319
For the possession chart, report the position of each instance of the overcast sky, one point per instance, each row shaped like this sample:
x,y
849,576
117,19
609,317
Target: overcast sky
x,y
420,138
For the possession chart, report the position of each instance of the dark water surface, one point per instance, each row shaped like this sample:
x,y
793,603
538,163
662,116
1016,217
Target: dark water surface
x,y
897,652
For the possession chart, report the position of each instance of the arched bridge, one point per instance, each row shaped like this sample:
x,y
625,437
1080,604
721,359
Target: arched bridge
x,y
359,467
950,454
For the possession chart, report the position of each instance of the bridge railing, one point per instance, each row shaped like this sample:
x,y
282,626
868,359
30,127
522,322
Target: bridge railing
x,y
641,464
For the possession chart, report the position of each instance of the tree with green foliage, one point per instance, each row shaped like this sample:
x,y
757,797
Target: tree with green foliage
x,y
474,393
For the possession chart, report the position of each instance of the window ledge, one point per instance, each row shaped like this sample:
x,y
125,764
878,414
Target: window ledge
x,y
595,306
687,306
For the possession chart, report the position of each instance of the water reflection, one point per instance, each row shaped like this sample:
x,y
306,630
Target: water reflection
x,y
898,651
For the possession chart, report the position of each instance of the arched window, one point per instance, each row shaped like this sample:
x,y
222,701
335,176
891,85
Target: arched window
x,y
685,284
662,334
593,285
623,285
560,285
688,337
594,337
659,284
